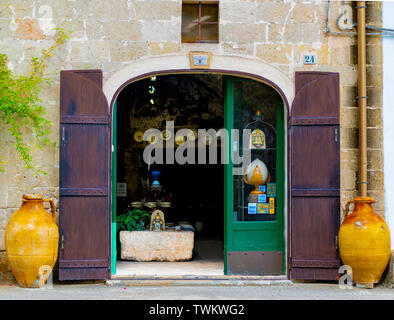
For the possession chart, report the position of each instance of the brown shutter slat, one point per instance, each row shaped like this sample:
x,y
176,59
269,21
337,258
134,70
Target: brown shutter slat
x,y
84,205
315,176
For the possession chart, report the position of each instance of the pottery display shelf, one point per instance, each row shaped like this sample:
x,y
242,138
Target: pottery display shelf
x,y
156,245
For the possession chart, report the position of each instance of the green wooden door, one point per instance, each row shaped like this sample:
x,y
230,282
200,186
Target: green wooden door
x,y
254,237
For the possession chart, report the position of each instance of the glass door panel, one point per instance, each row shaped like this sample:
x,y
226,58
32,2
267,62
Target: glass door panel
x,y
254,198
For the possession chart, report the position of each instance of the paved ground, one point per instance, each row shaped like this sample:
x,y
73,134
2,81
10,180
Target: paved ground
x,y
179,292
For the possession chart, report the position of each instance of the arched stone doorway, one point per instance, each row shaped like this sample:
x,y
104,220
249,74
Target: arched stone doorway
x,y
242,67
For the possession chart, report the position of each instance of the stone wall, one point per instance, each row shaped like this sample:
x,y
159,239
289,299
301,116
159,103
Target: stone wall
x,y
109,34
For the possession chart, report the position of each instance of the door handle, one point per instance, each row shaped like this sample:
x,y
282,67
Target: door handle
x,y
62,242
63,135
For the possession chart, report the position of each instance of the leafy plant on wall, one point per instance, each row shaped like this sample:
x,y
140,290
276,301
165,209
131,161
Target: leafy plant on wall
x,y
20,105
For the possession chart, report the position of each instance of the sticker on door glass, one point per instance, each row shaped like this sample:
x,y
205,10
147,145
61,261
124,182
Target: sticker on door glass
x,y
262,198
252,208
271,190
263,208
262,188
272,205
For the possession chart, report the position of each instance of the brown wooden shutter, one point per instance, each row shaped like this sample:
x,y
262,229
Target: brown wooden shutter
x,y
315,176
84,205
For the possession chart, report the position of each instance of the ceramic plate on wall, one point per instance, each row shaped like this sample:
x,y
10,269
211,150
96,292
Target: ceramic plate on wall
x,y
138,136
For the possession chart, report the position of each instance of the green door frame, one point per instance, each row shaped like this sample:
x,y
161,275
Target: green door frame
x,y
113,188
232,226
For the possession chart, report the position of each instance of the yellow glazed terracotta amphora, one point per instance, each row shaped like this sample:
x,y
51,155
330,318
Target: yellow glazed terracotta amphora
x,y
364,242
31,241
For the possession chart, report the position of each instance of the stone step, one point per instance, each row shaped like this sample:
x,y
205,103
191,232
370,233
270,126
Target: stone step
x,y
200,281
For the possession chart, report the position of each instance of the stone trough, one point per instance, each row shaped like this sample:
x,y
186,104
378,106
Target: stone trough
x,y
156,245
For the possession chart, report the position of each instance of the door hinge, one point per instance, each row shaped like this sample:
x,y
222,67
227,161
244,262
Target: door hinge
x,y
336,135
336,242
63,135
62,242
112,148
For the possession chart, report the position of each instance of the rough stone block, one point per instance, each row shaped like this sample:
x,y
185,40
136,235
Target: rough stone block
x,y
375,75
156,10
113,10
375,159
373,13
89,50
375,138
242,32
374,54
348,177
163,47
156,245
378,206
159,31
349,138
348,96
304,13
288,33
375,97
2,245
349,117
127,51
6,276
239,12
3,198
276,53
122,30
374,117
238,48
375,180
310,33
270,11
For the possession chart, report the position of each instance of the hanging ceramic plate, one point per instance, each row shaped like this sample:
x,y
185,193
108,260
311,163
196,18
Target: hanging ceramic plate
x,y
166,135
180,140
138,136
192,135
153,139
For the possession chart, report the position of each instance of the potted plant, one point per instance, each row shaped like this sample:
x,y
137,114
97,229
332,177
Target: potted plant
x,y
132,220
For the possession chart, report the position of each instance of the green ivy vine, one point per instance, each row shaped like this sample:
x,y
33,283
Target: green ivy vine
x,y
20,105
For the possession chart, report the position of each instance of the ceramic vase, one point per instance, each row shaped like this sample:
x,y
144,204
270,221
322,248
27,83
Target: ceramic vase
x,y
364,242
31,241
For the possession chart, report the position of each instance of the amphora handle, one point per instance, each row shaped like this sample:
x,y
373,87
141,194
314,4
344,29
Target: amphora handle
x,y
346,211
53,208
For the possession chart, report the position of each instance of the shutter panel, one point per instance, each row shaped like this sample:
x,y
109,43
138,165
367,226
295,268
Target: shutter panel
x,y
84,211
315,176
